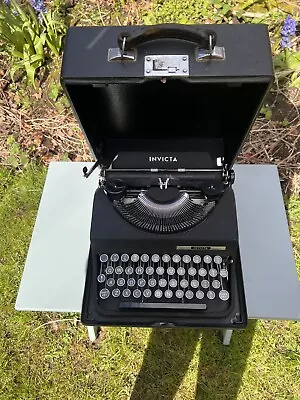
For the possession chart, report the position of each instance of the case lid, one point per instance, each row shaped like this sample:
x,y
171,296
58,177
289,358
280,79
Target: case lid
x,y
166,87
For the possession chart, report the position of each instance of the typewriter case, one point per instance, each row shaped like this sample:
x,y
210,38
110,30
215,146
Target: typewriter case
x,y
165,110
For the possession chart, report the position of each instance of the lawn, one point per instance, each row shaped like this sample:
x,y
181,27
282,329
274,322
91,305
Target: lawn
x,y
44,359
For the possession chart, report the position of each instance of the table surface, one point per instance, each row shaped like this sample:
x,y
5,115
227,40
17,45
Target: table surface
x,y
54,273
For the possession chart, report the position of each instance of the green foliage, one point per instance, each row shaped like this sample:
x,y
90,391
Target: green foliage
x,y
287,67
31,41
17,158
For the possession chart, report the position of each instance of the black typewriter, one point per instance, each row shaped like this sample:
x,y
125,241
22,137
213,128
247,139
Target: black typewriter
x,y
165,110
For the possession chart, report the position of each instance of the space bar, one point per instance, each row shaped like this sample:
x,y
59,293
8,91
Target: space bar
x,y
174,306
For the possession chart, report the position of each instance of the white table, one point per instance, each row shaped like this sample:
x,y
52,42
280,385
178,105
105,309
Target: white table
x,y
54,273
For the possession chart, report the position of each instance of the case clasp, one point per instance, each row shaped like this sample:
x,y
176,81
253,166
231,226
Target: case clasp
x,y
166,65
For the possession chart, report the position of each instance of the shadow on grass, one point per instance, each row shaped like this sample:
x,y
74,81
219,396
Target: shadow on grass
x,y
168,356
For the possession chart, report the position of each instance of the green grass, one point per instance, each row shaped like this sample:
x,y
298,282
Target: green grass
x,y
56,361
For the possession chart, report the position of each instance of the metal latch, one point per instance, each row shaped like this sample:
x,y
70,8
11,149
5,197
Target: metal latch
x,y
166,65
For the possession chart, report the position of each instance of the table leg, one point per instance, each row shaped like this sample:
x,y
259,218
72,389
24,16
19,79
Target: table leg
x,y
93,332
227,333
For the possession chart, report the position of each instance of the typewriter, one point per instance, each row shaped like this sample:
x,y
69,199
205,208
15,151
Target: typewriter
x,y
165,110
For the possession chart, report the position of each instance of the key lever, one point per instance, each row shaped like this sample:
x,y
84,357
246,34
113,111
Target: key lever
x,y
87,173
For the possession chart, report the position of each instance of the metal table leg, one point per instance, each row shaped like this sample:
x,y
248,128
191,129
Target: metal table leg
x,y
227,333
93,332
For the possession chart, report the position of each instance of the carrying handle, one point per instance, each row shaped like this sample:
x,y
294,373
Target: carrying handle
x,y
204,38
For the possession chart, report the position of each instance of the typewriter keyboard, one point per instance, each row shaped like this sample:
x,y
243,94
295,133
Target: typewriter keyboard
x,y
153,281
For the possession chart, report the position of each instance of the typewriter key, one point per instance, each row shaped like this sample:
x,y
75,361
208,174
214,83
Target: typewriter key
x,y
213,272
116,292
179,294
110,282
211,295
205,284
147,293
155,258
224,295
184,283
131,282
160,270
216,284
114,257
135,258
224,273
158,293
176,258
141,282
104,294
162,283
180,271
166,258
152,282
137,293
217,259
119,270
101,278
168,294
194,284
196,259
109,270
189,294
149,270
144,258
207,259
129,270
186,259
202,272
192,271
139,270
173,283
171,271
124,257
121,282
104,258
199,294
126,292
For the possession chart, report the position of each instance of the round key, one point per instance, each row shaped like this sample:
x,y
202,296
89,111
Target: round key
x,y
205,284
101,278
217,260
179,294
104,294
224,273
119,270
202,272
139,270
124,257
194,284
162,283
199,294
224,295
110,282
135,258
126,292
186,259
137,293
114,257
216,284
184,283
144,258
213,272
155,258
180,271
189,294
171,271
211,295
173,283
176,258
104,258
152,282
121,282
128,270
192,271
168,294
131,282
116,292
109,270
141,282
147,293
197,259
166,258
149,270
160,270
207,259
158,294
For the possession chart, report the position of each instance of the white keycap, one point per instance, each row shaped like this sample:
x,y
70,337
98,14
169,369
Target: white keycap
x,y
168,294
160,270
166,258
131,282
224,295
124,257
213,272
162,283
152,282
141,282
202,272
217,259
211,295
116,292
192,271
104,294
104,258
216,284
121,282
155,258
205,284
101,278
207,259
158,294
173,283
194,284
180,271
179,294
126,293
147,293
139,270
149,270
224,273
109,270
186,259
144,258
119,270
176,258
114,257
189,294
171,271
137,293
135,258
184,283
197,259
199,294
110,282
128,270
